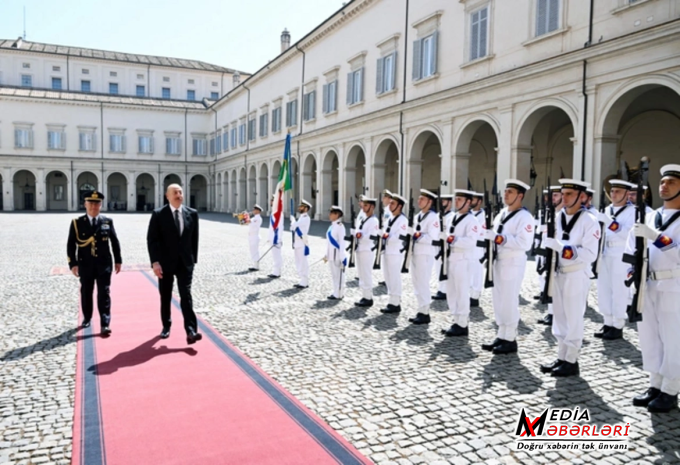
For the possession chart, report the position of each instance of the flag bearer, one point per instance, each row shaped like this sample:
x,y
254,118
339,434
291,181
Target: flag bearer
x,y
335,252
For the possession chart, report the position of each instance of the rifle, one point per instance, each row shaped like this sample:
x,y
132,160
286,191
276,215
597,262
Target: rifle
x,y
351,238
550,255
378,238
600,245
640,260
407,240
443,246
537,231
538,235
488,245
496,197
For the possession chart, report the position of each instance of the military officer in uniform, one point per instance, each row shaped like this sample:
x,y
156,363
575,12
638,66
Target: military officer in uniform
x,y
393,252
476,267
89,258
300,228
254,225
336,253
445,217
367,233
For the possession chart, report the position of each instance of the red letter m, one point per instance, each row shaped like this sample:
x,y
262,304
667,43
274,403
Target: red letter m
x,y
534,428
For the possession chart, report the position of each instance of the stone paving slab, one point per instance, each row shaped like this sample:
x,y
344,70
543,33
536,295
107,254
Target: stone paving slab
x,y
401,394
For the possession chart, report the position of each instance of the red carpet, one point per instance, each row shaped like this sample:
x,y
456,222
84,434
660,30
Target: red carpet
x,y
142,399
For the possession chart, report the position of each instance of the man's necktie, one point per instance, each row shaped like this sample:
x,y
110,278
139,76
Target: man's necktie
x,y
94,222
179,230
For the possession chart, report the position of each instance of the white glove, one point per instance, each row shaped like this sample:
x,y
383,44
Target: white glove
x,y
490,235
409,231
443,235
552,243
642,230
304,240
604,218
544,228
352,232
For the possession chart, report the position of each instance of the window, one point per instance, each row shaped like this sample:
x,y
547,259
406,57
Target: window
x,y
173,145
191,95
23,138
218,143
86,142
425,57
214,84
26,65
86,71
264,124
309,106
56,140
200,147
225,139
212,145
56,83
145,144
85,86
291,113
26,80
251,129
165,92
242,134
330,97
113,74
386,73
191,81
355,86
547,16
56,68
233,138
117,143
113,88
140,76
276,120
140,91
166,79
479,30
214,95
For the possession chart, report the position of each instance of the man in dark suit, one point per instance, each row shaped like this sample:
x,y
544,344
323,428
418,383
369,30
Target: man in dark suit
x,y
172,241
89,258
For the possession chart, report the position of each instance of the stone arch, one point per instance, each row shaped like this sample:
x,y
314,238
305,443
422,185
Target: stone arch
x,y
146,193
116,191
263,190
386,162
84,183
198,192
242,197
25,189
308,181
424,163
233,191
356,183
329,190
252,187
476,152
57,187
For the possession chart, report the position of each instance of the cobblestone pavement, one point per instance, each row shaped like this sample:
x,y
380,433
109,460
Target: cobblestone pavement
x,y
399,393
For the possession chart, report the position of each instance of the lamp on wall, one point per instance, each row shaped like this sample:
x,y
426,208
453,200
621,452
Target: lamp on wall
x,y
532,173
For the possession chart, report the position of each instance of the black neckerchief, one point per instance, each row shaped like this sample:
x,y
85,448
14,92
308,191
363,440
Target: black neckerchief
x,y
659,219
390,223
477,213
361,226
455,222
614,215
505,219
420,220
567,227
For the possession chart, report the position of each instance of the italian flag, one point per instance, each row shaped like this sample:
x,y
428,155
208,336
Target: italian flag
x,y
284,184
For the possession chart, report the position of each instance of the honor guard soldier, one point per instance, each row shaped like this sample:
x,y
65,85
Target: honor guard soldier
x,y
588,205
658,330
577,236
367,233
476,267
512,235
335,252
387,216
393,252
612,293
89,258
276,241
632,198
254,225
300,228
461,235
558,204
426,237
445,215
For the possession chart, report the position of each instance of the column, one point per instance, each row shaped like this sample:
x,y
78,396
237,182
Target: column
x,y
604,162
132,193
7,190
40,189
521,157
449,173
507,166
461,170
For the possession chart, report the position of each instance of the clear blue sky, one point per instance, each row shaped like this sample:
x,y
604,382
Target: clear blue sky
x,y
240,34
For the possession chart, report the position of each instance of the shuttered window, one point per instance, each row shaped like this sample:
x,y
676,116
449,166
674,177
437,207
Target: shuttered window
x,y
386,73
425,54
547,16
355,86
309,106
479,25
330,97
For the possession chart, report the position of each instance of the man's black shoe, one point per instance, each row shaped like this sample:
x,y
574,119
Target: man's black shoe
x,y
474,302
364,303
566,369
106,331
663,403
644,399
86,324
253,269
300,286
549,367
420,319
455,330
391,309
382,283
495,343
537,297
602,330
506,347
613,333
546,320
332,297
165,333
273,276
439,296
192,337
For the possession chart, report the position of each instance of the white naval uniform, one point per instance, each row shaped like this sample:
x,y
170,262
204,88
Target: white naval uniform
x,y
465,234
572,281
476,266
612,293
441,285
301,248
254,239
276,240
425,230
631,290
336,256
393,257
541,277
508,268
367,233
658,330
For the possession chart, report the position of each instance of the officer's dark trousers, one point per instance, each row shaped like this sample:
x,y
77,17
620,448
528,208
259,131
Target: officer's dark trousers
x,y
184,278
103,280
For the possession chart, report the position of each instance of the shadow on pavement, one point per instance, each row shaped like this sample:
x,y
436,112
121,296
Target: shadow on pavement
x,y
509,370
575,391
60,340
140,354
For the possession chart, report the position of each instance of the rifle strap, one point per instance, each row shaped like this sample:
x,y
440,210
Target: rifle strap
x,y
663,226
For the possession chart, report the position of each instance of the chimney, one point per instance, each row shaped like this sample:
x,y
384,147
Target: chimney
x,y
285,40
236,78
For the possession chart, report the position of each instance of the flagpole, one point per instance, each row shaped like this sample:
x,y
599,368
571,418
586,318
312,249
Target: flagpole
x,y
292,200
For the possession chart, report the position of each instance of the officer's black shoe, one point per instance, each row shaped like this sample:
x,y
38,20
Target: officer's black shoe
x,y
602,330
193,336
613,333
391,309
382,283
86,324
566,369
506,347
546,320
548,367
455,330
165,333
420,319
253,269
106,331
663,403
474,302
332,297
495,343
644,399
364,303
439,296
273,276
300,286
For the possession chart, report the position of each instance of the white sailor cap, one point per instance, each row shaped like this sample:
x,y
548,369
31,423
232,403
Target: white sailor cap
x,y
335,208
575,184
306,204
399,199
670,170
429,194
478,194
463,193
387,193
257,207
446,196
517,184
369,200
590,191
621,183
557,188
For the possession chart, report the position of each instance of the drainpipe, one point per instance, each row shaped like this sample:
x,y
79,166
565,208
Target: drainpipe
x,y
585,95
302,85
402,155
68,75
